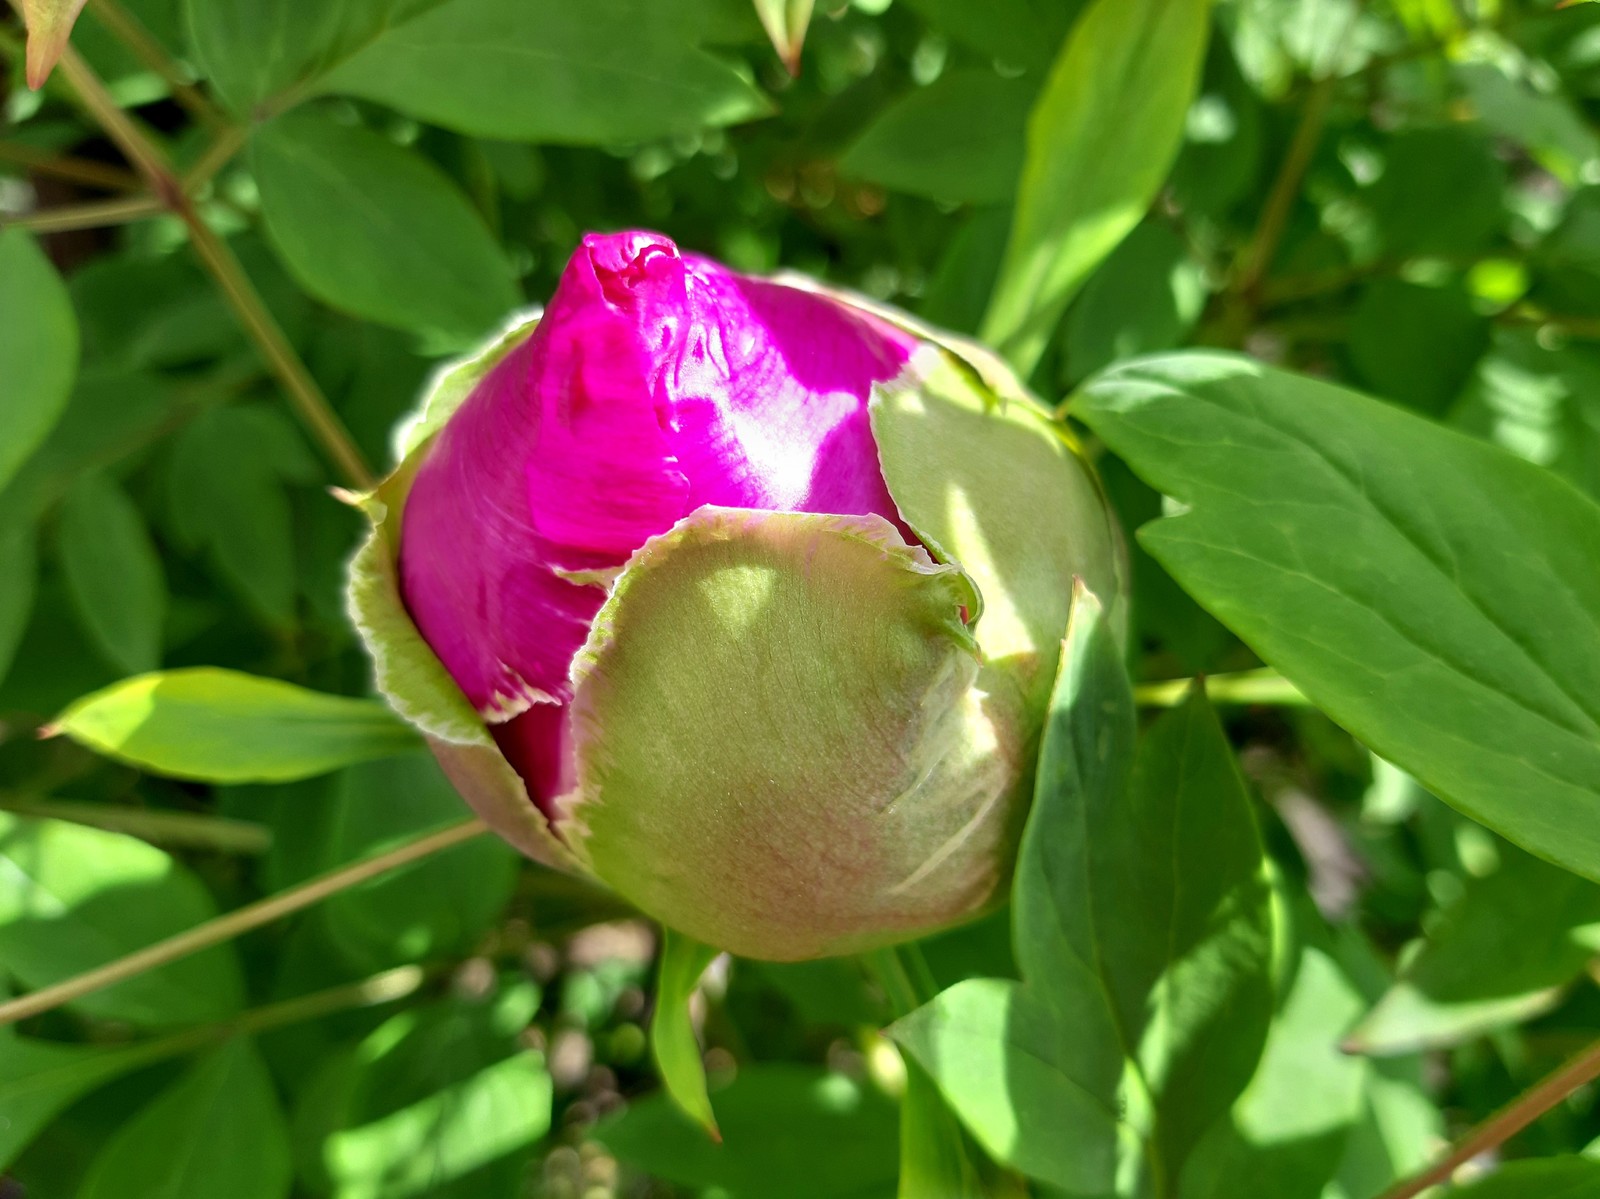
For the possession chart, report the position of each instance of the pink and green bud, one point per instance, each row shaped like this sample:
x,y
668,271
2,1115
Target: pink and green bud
x,y
741,596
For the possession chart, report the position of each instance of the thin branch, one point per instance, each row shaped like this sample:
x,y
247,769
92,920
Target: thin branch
x,y
151,161
128,29
97,214
73,170
1264,686
1505,1123
238,922
390,986
1263,247
151,824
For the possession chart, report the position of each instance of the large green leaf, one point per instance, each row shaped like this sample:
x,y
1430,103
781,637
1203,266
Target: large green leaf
x,y
544,70
113,572
38,348
217,1131
1102,137
226,727
376,229
789,1132
1436,596
73,898
1535,922
1143,930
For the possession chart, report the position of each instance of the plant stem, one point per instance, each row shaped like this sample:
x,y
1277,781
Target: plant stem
x,y
1505,1123
1264,686
304,394
131,33
1263,247
387,987
161,827
240,921
73,170
148,158
94,215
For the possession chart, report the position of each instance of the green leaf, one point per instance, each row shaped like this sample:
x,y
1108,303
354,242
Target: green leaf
x,y
1540,401
432,909
19,572
1570,1177
1415,344
1373,559
1287,1132
439,1101
1547,123
217,1131
38,348
1020,33
252,50
1143,930
672,1038
73,898
1537,923
222,726
39,1079
933,1154
957,139
1102,137
377,230
1146,296
109,413
789,1132
542,70
113,572
1400,1130
1442,191
228,497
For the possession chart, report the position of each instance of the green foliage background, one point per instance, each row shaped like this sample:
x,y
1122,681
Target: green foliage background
x,y
1248,958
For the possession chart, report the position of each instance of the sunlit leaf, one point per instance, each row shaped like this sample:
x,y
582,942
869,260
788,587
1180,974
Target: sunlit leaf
x,y
227,727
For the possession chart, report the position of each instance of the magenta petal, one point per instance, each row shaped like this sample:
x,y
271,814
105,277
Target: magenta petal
x,y
770,396
654,384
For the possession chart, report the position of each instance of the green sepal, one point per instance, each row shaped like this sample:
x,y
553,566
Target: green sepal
x,y
779,747
672,1039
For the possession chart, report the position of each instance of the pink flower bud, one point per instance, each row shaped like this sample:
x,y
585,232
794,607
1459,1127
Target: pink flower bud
x,y
706,555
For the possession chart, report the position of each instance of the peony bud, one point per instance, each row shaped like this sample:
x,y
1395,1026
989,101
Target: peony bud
x,y
738,595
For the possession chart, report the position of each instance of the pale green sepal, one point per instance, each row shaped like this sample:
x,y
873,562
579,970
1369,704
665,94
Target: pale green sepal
x,y
411,677
672,1039
779,747
994,483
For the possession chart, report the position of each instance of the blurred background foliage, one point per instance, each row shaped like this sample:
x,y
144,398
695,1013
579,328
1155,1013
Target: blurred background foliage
x,y
1400,194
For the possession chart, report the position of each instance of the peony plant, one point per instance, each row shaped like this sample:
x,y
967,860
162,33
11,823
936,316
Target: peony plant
x,y
742,596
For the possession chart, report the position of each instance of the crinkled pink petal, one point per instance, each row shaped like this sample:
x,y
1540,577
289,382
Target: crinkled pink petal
x,y
654,384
